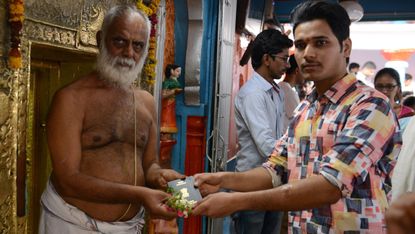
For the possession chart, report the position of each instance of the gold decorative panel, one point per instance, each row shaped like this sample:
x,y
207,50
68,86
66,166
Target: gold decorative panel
x,y
51,34
4,31
62,13
92,16
67,23
8,149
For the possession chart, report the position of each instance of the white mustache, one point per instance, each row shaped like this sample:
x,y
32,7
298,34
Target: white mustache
x,y
123,61
118,70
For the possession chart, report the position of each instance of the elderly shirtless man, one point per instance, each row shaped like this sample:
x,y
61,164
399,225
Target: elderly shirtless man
x,y
102,135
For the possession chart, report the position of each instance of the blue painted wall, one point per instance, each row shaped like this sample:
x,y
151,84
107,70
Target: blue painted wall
x,y
180,33
207,72
207,76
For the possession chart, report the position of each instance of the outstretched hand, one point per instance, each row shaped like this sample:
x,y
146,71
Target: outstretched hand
x,y
217,205
208,182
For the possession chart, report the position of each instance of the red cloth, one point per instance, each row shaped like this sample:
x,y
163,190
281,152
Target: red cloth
x,y
406,112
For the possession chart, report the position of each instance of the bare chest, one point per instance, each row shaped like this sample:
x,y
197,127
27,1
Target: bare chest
x,y
115,120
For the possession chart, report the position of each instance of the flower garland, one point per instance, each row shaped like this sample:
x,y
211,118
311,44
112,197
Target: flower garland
x,y
176,203
16,18
150,65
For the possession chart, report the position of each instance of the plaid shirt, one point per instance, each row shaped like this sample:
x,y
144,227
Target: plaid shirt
x,y
349,135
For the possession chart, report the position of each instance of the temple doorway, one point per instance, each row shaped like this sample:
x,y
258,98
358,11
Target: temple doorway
x,y
50,69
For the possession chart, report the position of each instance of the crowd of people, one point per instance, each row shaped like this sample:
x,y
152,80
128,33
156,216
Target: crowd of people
x,y
317,150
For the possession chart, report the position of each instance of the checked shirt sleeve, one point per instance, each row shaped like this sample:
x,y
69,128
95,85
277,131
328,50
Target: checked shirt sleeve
x,y
365,142
277,161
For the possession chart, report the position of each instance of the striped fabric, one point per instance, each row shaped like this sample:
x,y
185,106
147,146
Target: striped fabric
x,y
350,136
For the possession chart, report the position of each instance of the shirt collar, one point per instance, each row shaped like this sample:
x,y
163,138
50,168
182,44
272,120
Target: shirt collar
x,y
337,90
264,84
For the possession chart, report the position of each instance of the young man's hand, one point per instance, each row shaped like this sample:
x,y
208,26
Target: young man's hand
x,y
217,205
208,182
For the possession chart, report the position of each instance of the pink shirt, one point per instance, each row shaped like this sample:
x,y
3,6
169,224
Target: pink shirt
x,y
349,135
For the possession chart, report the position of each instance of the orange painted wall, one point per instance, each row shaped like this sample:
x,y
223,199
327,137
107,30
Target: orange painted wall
x,y
169,42
240,75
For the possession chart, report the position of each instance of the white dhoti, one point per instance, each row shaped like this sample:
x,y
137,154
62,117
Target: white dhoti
x,y
62,218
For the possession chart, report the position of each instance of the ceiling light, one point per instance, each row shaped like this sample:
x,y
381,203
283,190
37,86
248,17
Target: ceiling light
x,y
353,8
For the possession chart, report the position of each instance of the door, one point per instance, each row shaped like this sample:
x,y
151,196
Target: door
x,y
50,69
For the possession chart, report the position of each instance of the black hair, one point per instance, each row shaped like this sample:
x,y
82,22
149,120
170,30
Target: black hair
x,y
407,93
409,101
293,65
391,72
272,21
270,42
353,65
168,68
334,14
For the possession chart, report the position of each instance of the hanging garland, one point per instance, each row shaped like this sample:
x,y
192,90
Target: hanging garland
x,y
16,17
149,69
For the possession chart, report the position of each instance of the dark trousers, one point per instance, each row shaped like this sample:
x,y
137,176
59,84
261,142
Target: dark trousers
x,y
256,222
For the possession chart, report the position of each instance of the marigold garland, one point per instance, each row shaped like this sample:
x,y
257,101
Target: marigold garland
x,y
149,69
16,18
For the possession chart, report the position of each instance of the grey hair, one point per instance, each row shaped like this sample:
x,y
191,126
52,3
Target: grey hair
x,y
120,11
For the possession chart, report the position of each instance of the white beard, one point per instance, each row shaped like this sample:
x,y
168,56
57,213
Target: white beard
x,y
110,69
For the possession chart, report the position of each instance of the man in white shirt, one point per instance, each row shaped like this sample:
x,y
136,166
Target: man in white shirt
x,y
400,216
292,78
259,113
408,85
366,73
403,178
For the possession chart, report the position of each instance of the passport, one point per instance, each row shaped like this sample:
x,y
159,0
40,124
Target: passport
x,y
187,188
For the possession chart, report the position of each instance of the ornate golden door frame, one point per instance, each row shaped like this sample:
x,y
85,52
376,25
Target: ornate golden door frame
x,y
51,68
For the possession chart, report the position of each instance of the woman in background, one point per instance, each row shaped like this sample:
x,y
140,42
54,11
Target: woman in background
x,y
387,81
171,87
